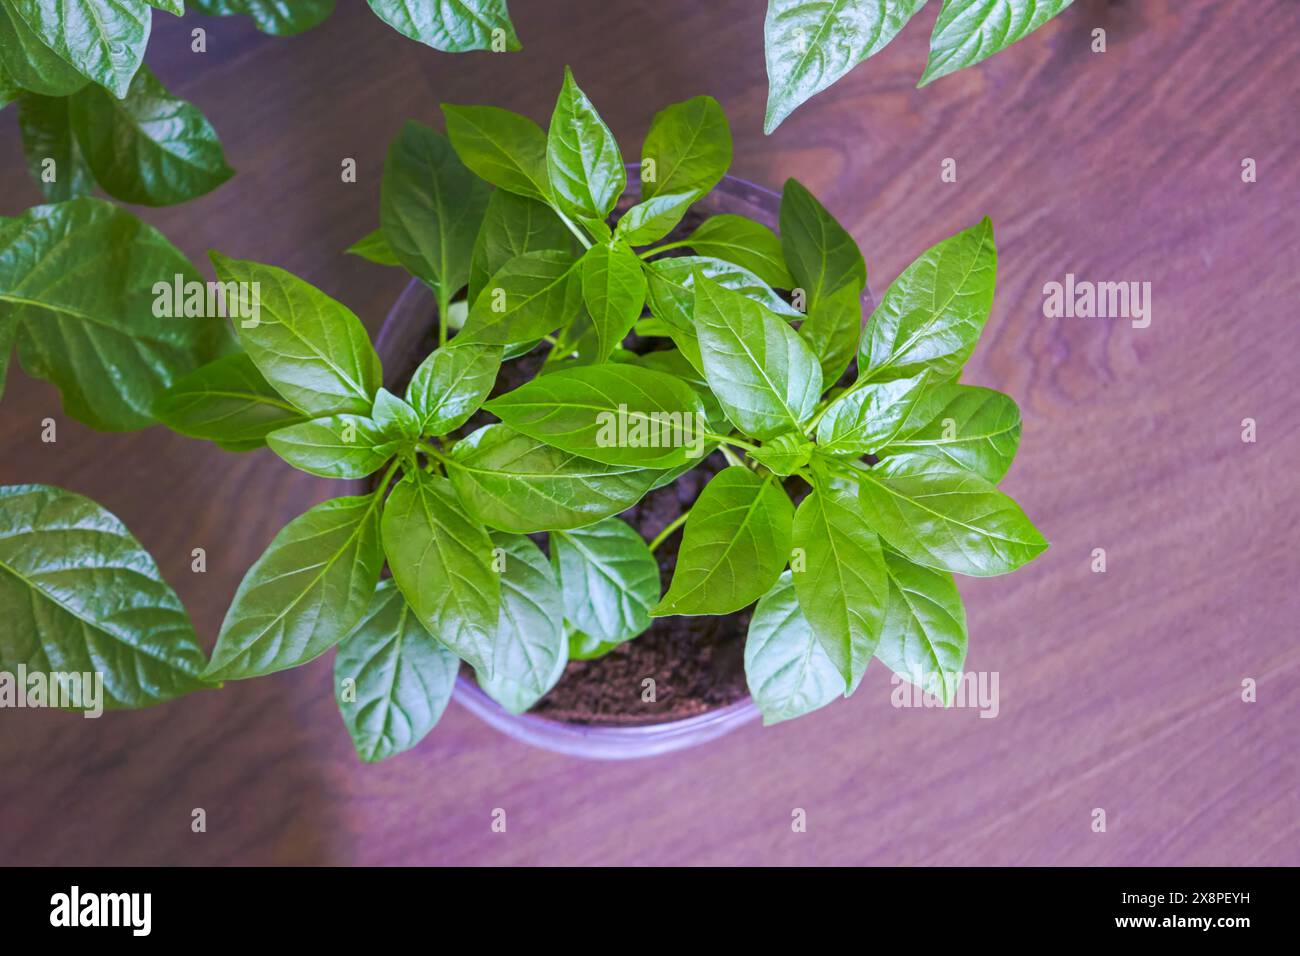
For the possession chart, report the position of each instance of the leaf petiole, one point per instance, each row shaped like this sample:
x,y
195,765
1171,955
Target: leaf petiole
x,y
667,532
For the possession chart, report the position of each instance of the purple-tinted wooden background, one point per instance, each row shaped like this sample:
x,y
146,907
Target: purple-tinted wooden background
x,y
1119,690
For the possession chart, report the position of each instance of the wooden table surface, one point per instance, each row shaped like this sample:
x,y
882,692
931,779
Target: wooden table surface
x,y
1119,691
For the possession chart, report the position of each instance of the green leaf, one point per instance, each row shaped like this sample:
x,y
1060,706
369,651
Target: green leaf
x,y
516,483
584,648
430,207
97,338
734,547
375,248
403,678
340,446
812,43
654,218
31,64
616,413
226,401
582,158
787,671
9,89
672,288
79,594
452,26
766,378
608,578
274,17
832,330
975,428
841,583
504,148
313,350
442,561
47,135
746,243
8,329
942,516
394,417
785,454
688,149
865,419
933,313
150,148
528,297
306,592
614,291
514,226
674,363
531,646
175,7
104,42
821,254
924,636
969,31
451,384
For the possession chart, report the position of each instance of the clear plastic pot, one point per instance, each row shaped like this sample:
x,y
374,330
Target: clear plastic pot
x,y
410,329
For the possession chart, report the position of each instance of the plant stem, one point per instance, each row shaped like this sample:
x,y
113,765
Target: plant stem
x,y
729,440
444,306
586,243
646,254
672,526
730,455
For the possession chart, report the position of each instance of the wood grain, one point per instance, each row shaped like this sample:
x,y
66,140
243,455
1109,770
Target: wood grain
x,y
1118,690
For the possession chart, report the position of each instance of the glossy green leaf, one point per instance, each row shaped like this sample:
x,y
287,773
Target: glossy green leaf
x,y
30,63
784,454
97,338
514,226
104,42
442,561
672,287
608,578
812,43
54,159
516,483
401,678
765,376
832,330
821,254
312,350
688,148
149,148
374,247
174,7
924,637
430,207
746,243
531,647
451,383
616,413
933,313
865,419
79,594
734,547
228,402
452,26
340,446
975,428
530,296
652,219
614,291
394,417
839,575
941,516
674,363
584,648
274,17
306,592
504,148
583,162
788,672
969,31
